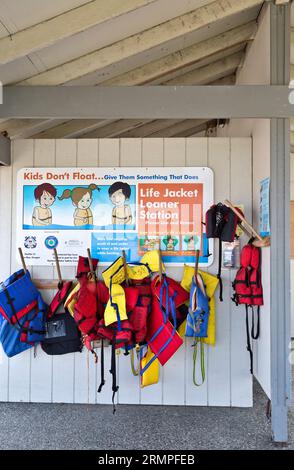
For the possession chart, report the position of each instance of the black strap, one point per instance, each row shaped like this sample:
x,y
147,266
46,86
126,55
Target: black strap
x,y
113,373
255,335
219,270
102,381
249,349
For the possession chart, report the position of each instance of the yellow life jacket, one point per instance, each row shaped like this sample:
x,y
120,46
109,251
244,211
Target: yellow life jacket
x,y
116,305
151,374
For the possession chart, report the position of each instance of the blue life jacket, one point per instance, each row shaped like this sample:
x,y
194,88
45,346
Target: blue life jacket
x,y
23,313
198,315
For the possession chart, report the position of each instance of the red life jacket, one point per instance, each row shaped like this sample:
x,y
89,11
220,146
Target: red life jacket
x,y
175,291
84,267
139,314
162,336
88,308
248,290
221,222
119,335
59,298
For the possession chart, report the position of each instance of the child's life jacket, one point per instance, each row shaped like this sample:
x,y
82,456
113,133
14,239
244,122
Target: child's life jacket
x,y
248,290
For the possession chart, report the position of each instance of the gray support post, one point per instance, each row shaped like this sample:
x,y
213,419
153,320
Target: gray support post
x,y
280,230
5,158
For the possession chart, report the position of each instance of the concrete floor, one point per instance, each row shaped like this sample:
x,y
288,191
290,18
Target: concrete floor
x,y
63,426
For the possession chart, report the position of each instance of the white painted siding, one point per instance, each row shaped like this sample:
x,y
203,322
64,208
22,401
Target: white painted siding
x,y
74,378
256,70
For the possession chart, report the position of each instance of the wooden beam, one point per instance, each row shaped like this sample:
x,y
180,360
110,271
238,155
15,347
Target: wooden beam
x,y
63,26
114,129
149,128
198,52
210,72
68,127
153,37
25,128
149,102
176,130
192,131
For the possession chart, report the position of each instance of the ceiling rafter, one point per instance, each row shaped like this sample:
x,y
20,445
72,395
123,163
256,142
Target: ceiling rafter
x,y
190,55
65,25
141,42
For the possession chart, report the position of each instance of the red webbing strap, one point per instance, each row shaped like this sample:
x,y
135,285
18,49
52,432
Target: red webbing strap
x,y
22,312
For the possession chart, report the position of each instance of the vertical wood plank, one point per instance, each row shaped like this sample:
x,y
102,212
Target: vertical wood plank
x,y
109,152
241,193
20,365
85,372
219,356
152,156
129,390
196,155
41,365
64,366
174,370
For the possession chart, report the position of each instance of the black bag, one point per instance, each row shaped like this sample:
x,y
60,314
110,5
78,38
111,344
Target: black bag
x,y
62,335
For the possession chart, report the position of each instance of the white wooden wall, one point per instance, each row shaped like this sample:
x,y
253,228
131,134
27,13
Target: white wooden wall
x,y
74,378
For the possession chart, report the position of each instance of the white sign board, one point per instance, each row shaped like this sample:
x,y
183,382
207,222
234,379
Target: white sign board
x,y
111,209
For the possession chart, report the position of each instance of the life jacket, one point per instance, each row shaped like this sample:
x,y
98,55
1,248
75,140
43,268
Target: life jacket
x,y
84,303
64,289
211,283
171,289
197,321
23,311
62,334
248,290
138,316
149,375
221,222
83,267
148,264
118,333
162,336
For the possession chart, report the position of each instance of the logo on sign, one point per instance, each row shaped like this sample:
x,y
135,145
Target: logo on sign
x,y
51,242
30,242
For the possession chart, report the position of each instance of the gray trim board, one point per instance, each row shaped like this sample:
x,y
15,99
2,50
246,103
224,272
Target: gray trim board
x,y
146,102
5,151
280,230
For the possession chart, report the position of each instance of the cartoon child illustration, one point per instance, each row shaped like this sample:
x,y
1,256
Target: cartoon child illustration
x,y
45,194
119,193
191,242
81,199
170,242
